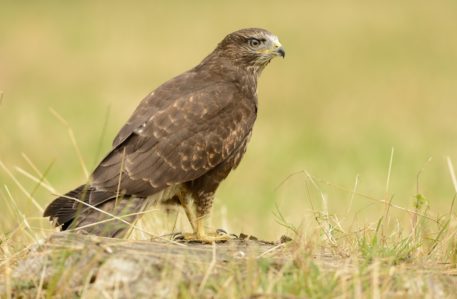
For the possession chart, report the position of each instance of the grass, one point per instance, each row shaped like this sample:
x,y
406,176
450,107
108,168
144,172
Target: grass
x,y
325,260
352,155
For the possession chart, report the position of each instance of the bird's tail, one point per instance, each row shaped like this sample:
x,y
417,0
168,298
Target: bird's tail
x,y
63,209
96,212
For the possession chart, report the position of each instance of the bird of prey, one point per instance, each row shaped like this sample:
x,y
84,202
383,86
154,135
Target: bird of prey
x,y
182,140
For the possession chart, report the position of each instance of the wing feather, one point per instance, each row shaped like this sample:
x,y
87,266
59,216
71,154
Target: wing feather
x,y
176,140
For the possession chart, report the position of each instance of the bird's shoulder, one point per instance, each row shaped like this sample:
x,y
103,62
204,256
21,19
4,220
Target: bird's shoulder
x,y
191,97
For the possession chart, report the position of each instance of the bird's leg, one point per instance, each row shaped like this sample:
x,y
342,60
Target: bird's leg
x,y
197,216
198,206
189,212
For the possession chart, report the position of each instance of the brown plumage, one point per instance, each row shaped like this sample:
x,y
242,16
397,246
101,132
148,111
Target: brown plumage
x,y
182,140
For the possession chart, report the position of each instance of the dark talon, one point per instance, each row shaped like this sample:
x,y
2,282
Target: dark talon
x,y
220,231
177,237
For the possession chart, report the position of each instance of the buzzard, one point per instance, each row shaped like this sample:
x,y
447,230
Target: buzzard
x,y
183,139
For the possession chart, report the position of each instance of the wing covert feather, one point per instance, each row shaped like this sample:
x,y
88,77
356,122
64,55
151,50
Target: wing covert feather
x,y
178,142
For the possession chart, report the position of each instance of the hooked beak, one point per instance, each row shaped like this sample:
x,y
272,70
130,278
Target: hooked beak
x,y
278,49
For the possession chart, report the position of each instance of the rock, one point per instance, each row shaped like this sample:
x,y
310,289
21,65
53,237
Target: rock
x,y
68,265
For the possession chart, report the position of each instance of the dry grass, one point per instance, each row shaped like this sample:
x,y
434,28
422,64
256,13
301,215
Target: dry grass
x,y
324,260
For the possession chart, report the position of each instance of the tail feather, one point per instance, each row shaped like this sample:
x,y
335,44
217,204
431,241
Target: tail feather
x,y
67,211
64,209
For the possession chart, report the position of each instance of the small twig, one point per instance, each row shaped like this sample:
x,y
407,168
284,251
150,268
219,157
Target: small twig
x,y
102,135
271,250
41,182
356,184
389,171
110,219
325,207
8,279
452,205
437,239
388,203
73,140
40,285
452,172
287,178
419,173
21,187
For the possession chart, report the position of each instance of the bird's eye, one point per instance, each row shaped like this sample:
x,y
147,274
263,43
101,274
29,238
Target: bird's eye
x,y
253,42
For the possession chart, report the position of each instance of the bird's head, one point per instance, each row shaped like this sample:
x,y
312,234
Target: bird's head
x,y
252,48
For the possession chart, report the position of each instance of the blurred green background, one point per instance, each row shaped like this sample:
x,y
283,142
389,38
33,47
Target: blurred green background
x,y
359,78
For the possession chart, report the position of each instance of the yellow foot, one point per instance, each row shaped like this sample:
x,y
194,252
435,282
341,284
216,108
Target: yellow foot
x,y
218,236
